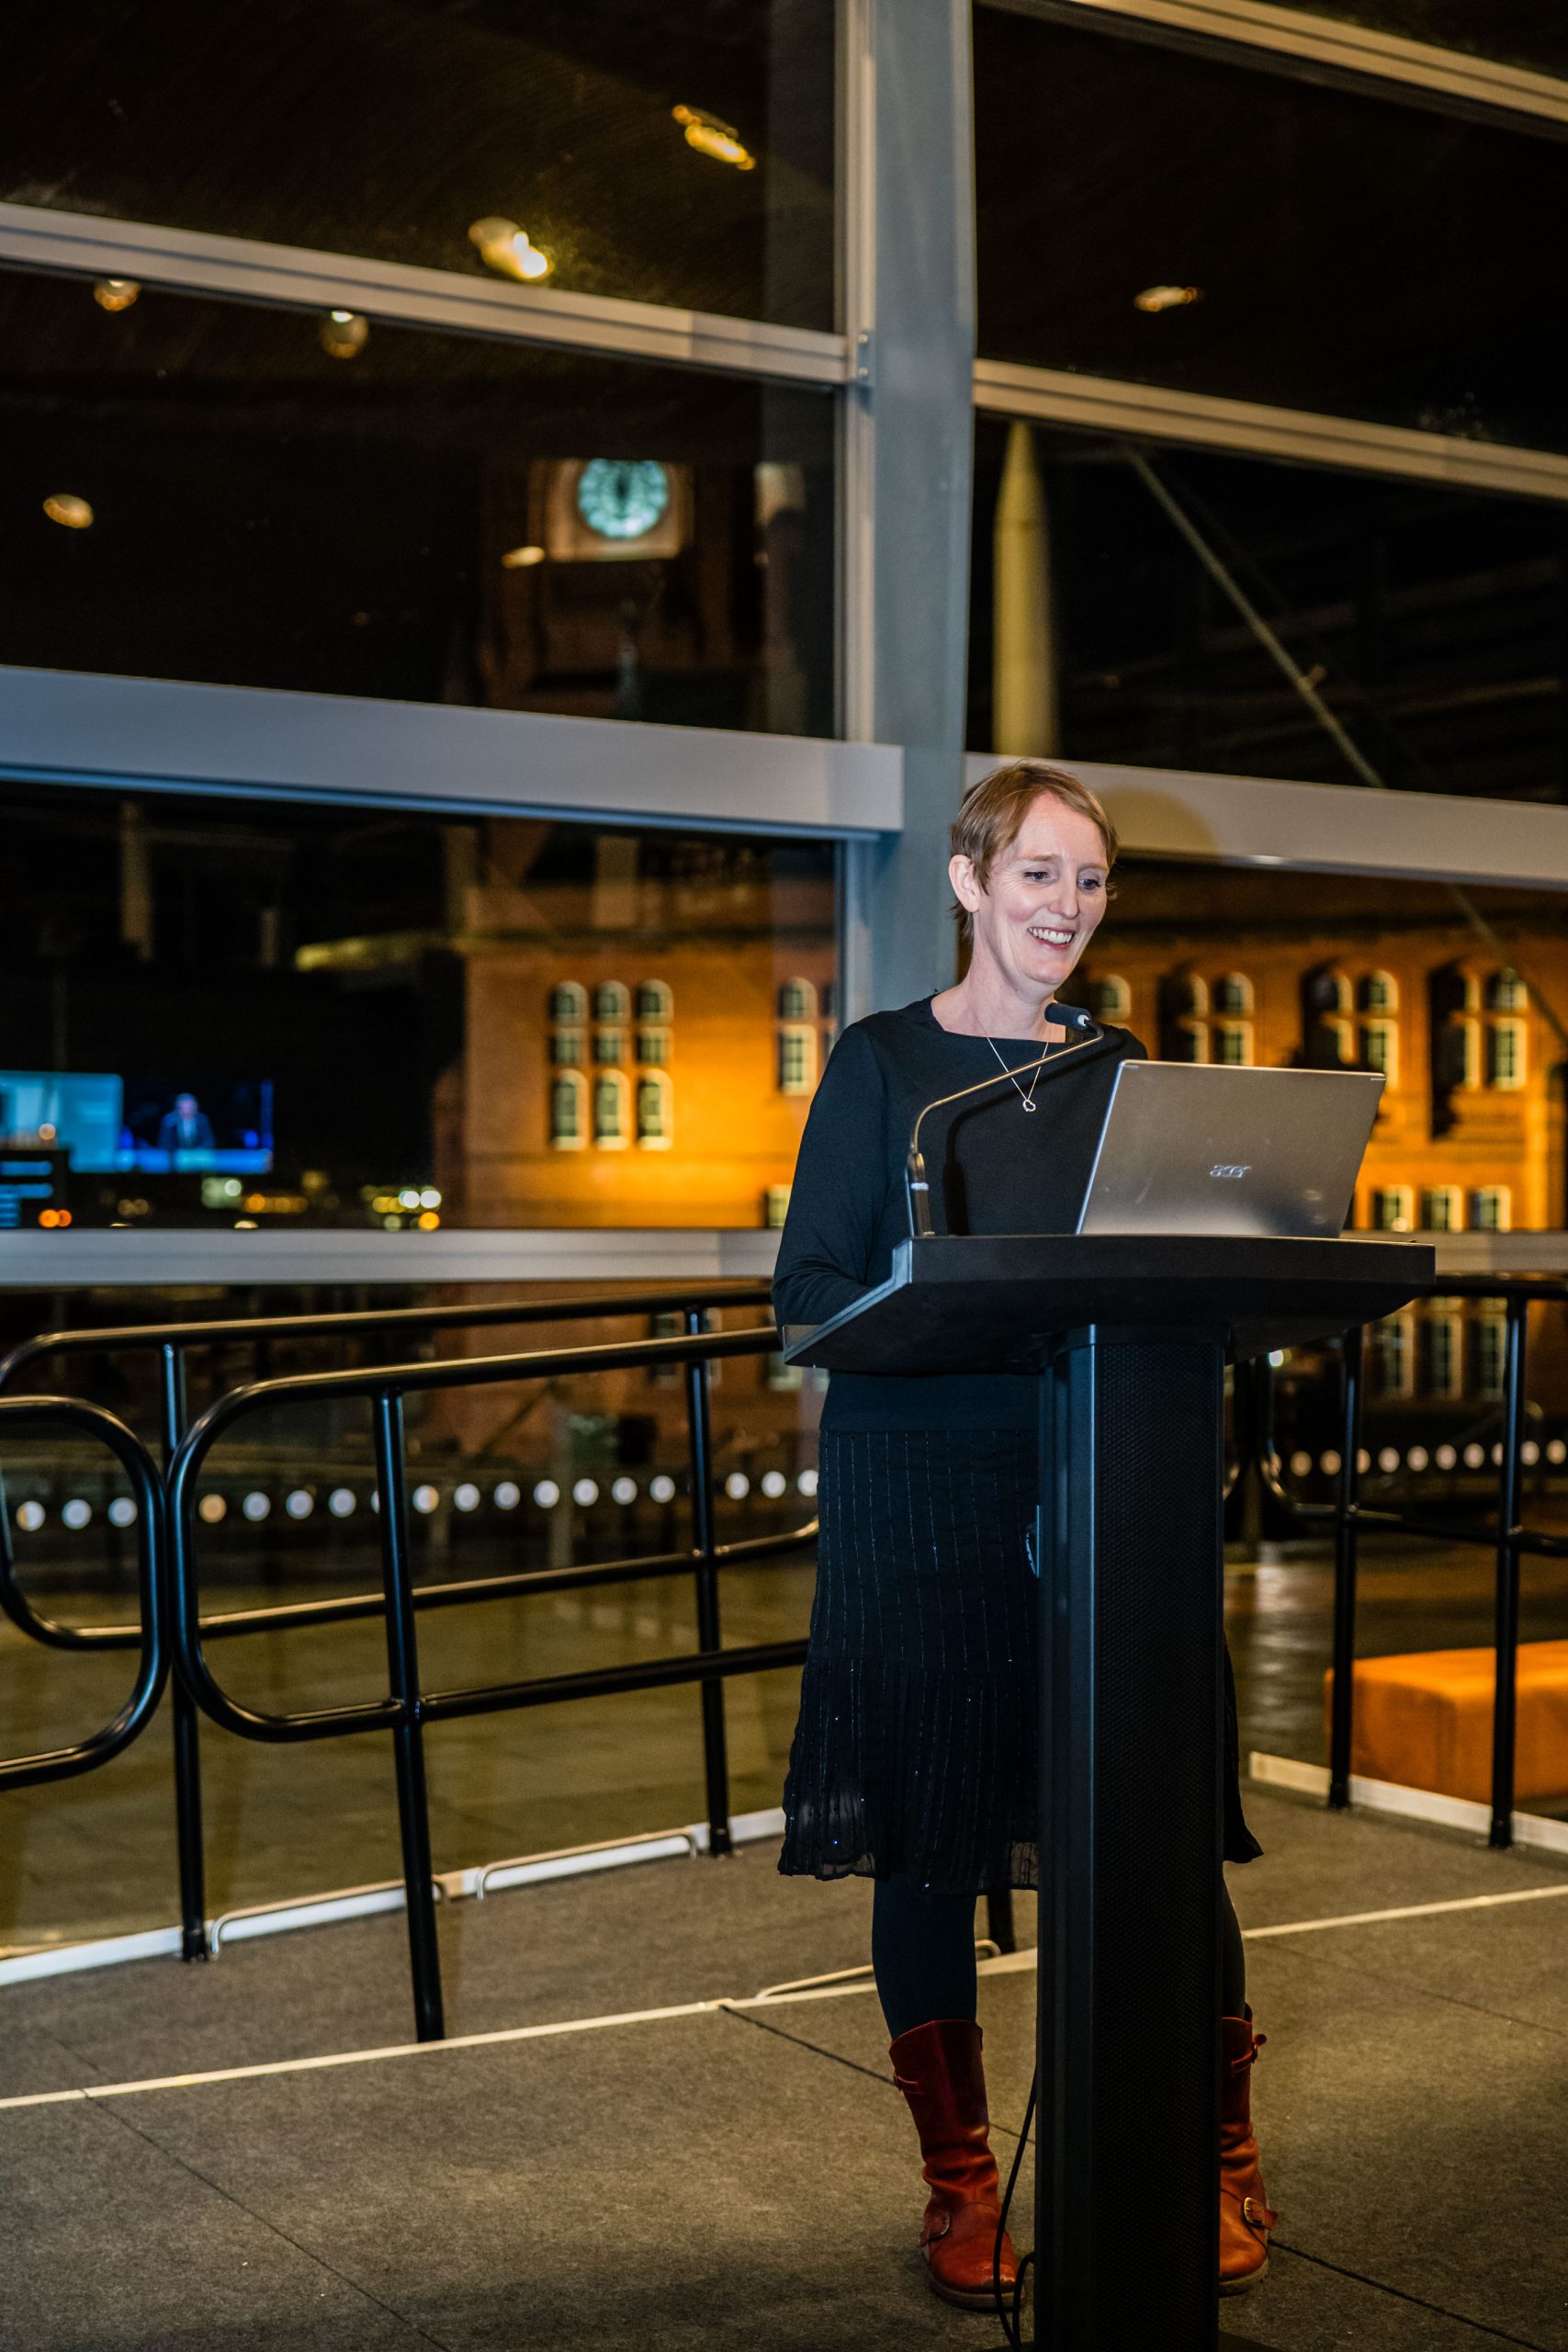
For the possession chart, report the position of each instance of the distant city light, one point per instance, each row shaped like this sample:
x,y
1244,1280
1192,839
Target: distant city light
x,y
710,137
30,1517
211,1509
301,1503
1445,1457
340,1501
116,293
73,514
407,1198
522,558
1166,298
427,1220
508,1495
585,1491
77,1512
505,247
122,1511
806,1482
425,1500
624,1491
256,1507
467,1497
429,1198
774,1483
546,1493
662,1489
54,1220
737,1485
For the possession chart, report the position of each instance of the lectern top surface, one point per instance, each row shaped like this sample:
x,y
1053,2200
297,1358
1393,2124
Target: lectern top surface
x,y
982,1302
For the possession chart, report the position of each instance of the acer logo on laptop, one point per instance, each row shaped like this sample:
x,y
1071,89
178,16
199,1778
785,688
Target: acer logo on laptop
x,y
1220,1170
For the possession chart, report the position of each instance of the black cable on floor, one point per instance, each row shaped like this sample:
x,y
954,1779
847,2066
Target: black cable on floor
x,y
1012,2320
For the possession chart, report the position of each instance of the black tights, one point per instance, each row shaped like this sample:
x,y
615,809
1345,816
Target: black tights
x,y
922,1954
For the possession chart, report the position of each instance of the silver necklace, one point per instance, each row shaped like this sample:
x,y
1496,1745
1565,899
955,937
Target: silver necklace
x,y
1026,1100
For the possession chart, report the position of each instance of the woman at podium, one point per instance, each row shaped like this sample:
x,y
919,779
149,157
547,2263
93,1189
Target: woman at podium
x,y
914,1757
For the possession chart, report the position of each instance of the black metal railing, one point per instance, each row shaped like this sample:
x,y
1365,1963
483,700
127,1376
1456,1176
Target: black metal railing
x,y
408,1707
147,1636
173,1343
1496,1521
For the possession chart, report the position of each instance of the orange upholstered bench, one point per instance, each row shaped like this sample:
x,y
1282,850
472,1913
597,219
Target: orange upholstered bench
x,y
1425,1721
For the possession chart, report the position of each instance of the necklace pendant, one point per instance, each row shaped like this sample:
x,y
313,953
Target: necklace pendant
x,y
1029,1103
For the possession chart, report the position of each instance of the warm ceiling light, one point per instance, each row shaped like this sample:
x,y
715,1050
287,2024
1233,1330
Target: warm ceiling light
x,y
711,137
519,559
344,333
1166,298
74,514
116,293
506,247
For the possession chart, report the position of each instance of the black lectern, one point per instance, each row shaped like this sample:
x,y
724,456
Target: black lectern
x,y
1129,1335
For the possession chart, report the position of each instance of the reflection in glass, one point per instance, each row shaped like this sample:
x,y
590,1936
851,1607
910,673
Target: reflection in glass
x,y
264,516
398,128
1428,619
222,1012
1357,251
1514,32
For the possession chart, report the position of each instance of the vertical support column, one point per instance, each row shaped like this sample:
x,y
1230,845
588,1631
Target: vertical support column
x,y
1347,1537
909,308
1505,1702
407,1733
185,1721
1130,1819
699,1432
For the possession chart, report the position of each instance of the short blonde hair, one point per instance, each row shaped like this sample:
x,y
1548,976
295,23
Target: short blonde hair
x,y
992,813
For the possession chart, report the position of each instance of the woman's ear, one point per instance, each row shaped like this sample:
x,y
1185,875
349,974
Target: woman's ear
x,y
967,889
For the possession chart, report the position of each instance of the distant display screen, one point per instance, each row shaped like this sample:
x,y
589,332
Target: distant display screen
x,y
186,1121
160,1124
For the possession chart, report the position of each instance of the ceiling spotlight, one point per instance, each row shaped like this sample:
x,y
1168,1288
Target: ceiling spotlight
x,y
506,247
116,293
519,559
711,137
1166,298
71,514
343,334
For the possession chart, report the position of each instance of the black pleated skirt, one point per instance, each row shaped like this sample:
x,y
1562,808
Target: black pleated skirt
x,y
915,1749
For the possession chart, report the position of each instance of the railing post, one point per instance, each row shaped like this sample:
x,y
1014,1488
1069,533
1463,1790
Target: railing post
x,y
1506,1617
173,1412
1345,1533
699,1431
408,1731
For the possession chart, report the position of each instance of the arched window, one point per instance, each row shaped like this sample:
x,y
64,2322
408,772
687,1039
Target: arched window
x,y
1183,1028
655,1001
1442,1209
1232,994
609,1045
568,1001
797,1000
653,1046
1506,992
1109,997
1454,1003
1379,1048
610,1110
655,1111
797,1057
1492,1209
1378,992
567,1047
1328,1032
569,1111
612,1001
1231,1041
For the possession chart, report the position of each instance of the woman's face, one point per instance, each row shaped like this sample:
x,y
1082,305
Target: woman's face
x,y
1043,901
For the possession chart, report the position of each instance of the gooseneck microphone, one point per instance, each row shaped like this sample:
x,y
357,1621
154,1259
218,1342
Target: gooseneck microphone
x,y
1064,1016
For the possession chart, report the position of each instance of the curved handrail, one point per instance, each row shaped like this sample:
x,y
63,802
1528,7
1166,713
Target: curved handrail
x,y
99,1747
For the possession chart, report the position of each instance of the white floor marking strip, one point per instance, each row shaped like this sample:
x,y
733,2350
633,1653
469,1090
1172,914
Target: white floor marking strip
x,y
1011,1964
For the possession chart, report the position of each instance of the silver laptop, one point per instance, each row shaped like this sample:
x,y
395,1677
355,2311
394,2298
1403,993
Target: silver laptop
x,y
1209,1147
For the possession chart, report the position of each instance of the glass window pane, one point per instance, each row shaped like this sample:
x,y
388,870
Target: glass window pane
x,y
1349,251
206,947
1430,618
388,127
418,521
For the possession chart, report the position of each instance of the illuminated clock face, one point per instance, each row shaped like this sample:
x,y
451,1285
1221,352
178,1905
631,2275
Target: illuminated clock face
x,y
622,497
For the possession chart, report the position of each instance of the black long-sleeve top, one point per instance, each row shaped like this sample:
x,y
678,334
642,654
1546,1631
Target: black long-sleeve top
x,y
992,1169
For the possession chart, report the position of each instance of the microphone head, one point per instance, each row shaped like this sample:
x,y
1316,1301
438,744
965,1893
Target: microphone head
x,y
1070,1016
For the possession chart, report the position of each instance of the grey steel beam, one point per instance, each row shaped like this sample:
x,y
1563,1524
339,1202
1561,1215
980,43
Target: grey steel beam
x,y
318,1257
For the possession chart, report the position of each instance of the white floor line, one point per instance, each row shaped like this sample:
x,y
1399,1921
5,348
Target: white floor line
x,y
1011,1964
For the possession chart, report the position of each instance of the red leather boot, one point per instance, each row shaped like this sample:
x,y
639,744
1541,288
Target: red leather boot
x,y
938,2068
1246,2218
